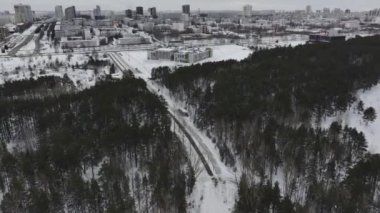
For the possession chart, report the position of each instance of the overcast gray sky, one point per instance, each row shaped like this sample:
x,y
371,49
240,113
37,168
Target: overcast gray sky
x,y
354,5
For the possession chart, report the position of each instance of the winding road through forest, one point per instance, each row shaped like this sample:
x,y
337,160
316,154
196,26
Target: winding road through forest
x,y
217,187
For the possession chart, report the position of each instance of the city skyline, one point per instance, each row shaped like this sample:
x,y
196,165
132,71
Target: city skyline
x,y
173,5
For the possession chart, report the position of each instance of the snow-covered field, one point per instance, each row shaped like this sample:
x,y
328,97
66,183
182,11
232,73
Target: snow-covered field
x,y
210,194
352,118
228,52
18,68
283,41
47,46
139,59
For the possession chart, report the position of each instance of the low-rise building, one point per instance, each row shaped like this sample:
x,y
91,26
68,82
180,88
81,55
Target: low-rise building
x,y
87,34
318,38
162,54
78,21
103,23
163,28
3,33
178,26
11,28
147,26
205,29
352,24
109,31
6,19
191,55
129,39
67,30
79,43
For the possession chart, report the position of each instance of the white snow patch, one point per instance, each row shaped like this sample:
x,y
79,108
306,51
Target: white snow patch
x,y
93,172
354,119
19,68
228,52
210,196
283,41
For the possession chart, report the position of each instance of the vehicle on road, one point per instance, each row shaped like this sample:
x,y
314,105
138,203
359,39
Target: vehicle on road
x,y
183,112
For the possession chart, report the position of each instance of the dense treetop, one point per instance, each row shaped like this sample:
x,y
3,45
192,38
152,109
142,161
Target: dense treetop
x,y
117,132
321,78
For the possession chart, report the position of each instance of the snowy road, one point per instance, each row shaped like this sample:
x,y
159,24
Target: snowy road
x,y
27,36
78,51
190,133
124,67
173,108
14,51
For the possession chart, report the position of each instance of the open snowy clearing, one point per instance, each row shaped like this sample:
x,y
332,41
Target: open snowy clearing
x,y
19,68
283,41
353,118
139,59
46,46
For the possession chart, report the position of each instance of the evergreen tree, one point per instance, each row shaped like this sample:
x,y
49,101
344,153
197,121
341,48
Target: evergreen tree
x,y
369,114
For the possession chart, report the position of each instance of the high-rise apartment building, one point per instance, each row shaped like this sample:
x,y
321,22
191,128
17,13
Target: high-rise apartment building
x,y
23,13
247,10
129,13
309,9
70,13
374,13
153,12
139,10
186,9
59,12
97,12
3,33
326,11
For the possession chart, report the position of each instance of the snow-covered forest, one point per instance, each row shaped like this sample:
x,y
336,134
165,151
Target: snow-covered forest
x,y
105,149
291,129
267,116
